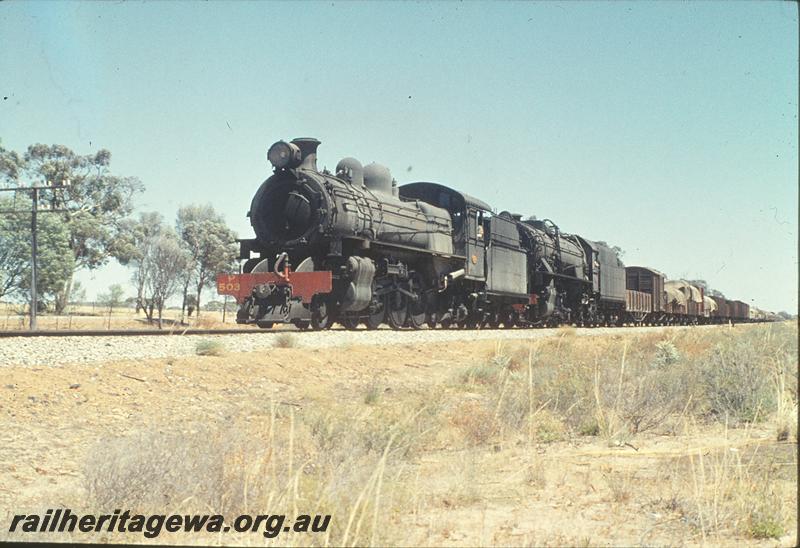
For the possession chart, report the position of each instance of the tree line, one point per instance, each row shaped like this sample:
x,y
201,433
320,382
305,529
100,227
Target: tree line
x,y
91,220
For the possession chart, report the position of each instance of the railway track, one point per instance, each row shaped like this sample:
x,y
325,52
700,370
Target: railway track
x,y
126,332
250,331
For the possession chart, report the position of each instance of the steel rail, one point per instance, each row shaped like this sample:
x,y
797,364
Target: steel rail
x,y
126,332
252,330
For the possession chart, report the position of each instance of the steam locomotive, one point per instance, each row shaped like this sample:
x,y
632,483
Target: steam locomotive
x,y
354,247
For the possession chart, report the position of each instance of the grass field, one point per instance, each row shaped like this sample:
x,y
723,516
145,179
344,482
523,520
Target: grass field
x,y
662,438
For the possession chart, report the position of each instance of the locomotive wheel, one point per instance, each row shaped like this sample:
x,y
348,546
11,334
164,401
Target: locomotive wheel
x,y
431,320
416,314
320,319
415,319
396,310
350,323
265,325
467,323
319,322
375,319
417,310
301,325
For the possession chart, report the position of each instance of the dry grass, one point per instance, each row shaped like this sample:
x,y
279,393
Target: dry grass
x,y
285,461
620,483
285,340
733,492
475,422
88,317
553,428
208,321
619,387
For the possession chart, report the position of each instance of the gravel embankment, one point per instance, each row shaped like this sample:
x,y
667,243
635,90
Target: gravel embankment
x,y
51,351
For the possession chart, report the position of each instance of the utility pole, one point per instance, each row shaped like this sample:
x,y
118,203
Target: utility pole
x,y
34,302
34,243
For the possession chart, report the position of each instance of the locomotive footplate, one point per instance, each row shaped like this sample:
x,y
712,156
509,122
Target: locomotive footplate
x,y
273,297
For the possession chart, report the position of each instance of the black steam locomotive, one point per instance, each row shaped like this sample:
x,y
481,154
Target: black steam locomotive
x,y
354,247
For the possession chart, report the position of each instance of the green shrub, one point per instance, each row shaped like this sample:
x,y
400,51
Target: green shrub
x,y
373,393
479,374
209,348
767,526
737,382
666,354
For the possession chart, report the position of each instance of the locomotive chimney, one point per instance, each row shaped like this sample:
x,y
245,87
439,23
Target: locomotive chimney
x,y
308,152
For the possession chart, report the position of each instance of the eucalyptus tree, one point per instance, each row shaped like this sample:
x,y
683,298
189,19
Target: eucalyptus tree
x,y
92,205
211,247
55,262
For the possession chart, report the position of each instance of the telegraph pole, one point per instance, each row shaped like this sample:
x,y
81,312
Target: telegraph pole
x,y
34,210
34,190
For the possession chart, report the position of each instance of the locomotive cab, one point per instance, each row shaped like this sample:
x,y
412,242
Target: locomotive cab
x,y
470,219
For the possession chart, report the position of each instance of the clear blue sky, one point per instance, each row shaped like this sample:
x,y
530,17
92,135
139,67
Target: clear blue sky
x,y
667,128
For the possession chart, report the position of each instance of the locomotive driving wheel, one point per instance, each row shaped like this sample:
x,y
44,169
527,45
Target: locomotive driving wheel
x,y
320,319
508,319
375,319
467,323
430,319
350,322
417,308
396,309
416,315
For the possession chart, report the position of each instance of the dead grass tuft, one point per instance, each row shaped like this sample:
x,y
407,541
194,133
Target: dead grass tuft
x,y
474,421
734,494
619,483
285,340
478,374
207,322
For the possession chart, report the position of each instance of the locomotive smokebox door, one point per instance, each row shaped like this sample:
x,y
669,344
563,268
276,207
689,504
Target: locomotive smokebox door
x,y
475,245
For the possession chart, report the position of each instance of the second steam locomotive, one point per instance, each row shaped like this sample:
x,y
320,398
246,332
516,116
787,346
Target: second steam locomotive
x,y
354,247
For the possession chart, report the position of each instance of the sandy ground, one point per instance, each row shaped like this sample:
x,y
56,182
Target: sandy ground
x,y
51,417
